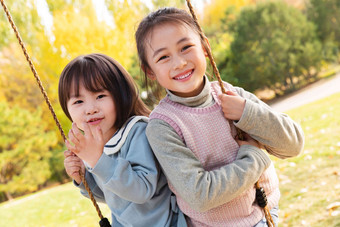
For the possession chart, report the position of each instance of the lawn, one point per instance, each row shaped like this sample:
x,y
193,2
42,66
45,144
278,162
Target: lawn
x,y
56,207
310,183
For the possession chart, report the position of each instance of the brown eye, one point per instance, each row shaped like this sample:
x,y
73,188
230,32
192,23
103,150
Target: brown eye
x,y
186,47
78,102
162,58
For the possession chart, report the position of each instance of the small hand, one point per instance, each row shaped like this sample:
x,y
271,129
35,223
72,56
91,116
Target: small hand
x,y
73,166
232,105
88,146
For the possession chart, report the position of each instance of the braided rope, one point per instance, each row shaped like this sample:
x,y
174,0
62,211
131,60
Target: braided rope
x,y
210,56
269,219
239,133
9,17
218,76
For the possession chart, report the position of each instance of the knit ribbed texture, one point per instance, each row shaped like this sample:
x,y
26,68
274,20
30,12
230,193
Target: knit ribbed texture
x,y
208,134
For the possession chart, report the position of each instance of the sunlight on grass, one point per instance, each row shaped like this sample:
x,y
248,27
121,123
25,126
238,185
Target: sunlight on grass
x,y
60,206
309,183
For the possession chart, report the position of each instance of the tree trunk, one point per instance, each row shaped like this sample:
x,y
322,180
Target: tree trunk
x,y
291,82
9,196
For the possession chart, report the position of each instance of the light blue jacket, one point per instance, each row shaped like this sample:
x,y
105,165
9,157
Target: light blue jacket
x,y
128,179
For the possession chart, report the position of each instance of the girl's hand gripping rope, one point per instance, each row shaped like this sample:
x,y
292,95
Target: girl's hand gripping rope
x,y
232,105
73,165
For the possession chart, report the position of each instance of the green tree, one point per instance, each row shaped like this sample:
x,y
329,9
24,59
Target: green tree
x,y
274,47
217,15
325,14
24,150
168,3
25,18
19,89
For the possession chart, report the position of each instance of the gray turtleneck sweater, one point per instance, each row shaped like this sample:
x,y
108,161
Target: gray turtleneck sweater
x,y
280,135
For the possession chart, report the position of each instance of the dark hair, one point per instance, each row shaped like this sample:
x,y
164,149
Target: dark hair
x,y
98,72
160,17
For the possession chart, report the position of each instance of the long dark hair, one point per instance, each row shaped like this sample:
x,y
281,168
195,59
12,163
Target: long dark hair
x,y
98,72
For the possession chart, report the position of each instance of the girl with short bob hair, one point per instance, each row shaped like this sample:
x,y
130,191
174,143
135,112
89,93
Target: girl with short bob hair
x,y
98,71
107,143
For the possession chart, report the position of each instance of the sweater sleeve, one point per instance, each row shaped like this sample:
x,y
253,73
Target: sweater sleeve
x,y
201,189
280,135
132,176
96,191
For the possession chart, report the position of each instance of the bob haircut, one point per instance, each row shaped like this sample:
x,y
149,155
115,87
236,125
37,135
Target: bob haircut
x,y
99,72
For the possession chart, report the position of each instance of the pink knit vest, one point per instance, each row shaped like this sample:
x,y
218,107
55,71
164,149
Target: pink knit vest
x,y
208,134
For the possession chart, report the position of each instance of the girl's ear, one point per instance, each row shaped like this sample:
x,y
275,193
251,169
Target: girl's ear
x,y
148,72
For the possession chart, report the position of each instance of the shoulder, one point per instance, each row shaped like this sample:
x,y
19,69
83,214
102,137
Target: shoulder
x,y
158,128
157,124
136,139
138,128
135,129
165,110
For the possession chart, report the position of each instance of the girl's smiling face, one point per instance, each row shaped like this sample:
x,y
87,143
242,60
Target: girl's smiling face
x,y
176,58
93,108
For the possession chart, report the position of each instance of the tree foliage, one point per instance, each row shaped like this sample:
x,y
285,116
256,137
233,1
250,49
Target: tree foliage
x,y
216,17
325,14
24,150
25,18
274,45
215,12
167,3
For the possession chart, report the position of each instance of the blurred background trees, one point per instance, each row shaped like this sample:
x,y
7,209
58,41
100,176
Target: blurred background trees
x,y
326,17
26,151
276,45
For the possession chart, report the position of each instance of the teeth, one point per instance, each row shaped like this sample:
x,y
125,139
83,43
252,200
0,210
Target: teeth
x,y
183,77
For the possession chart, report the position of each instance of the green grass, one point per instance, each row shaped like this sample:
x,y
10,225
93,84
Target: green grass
x,y
59,206
309,183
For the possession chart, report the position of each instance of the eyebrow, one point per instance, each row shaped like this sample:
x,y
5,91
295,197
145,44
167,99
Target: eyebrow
x,y
163,48
74,96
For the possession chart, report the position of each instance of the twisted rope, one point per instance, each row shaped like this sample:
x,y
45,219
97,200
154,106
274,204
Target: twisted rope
x,y
218,76
269,219
239,133
9,17
210,56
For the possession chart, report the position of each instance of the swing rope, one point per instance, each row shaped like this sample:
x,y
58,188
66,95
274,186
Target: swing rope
x,y
260,194
9,17
212,61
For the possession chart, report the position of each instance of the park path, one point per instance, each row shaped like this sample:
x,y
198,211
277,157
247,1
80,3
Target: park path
x,y
311,93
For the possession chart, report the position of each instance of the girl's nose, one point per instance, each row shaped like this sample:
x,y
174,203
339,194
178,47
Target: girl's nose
x,y
179,62
91,109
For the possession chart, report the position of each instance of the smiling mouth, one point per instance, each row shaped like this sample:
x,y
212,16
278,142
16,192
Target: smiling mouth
x,y
94,120
182,77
